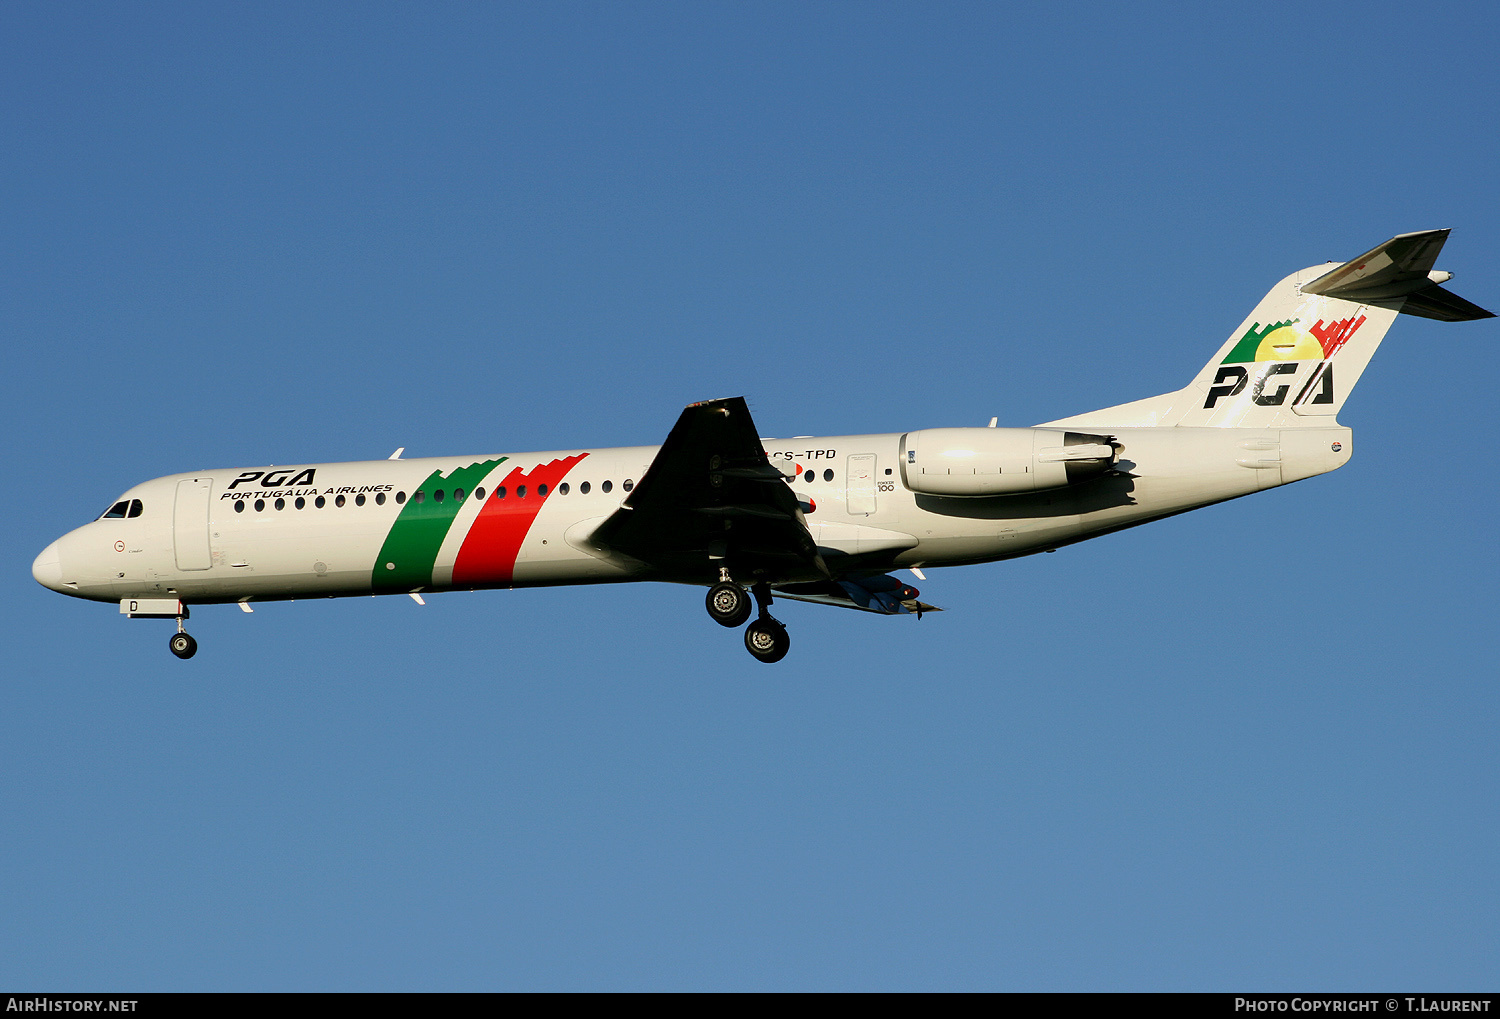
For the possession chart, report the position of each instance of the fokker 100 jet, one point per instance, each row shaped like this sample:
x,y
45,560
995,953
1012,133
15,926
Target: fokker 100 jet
x,y
823,520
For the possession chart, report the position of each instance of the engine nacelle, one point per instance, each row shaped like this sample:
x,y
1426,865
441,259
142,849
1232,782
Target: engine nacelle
x,y
1001,461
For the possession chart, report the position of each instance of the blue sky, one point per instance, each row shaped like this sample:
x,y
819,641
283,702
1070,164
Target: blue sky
x,y
1248,748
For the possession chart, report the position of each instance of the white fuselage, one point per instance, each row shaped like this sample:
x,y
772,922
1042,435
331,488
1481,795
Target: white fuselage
x,y
190,541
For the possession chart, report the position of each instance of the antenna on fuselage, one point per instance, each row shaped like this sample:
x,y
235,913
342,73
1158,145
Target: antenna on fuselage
x,y
397,455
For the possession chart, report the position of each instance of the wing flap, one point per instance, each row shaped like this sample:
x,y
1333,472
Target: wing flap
x,y
882,594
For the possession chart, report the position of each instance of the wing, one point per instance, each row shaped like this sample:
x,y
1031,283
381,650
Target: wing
x,y
712,500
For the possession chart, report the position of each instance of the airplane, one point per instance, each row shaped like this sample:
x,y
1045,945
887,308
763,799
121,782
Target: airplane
x,y
825,520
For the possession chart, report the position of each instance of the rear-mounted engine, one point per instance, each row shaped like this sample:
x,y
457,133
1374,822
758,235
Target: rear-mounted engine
x,y
978,462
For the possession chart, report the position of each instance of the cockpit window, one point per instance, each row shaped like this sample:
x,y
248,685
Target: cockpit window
x,y
135,508
117,511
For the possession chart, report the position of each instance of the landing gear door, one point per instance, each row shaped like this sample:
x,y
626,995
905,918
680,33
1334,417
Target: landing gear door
x,y
190,524
861,482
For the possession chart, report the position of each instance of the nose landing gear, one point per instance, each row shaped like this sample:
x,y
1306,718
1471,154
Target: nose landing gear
x,y
182,643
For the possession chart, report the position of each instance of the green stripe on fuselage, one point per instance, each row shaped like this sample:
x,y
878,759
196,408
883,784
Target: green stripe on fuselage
x,y
410,550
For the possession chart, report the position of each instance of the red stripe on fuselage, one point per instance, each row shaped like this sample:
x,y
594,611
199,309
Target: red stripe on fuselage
x,y
488,554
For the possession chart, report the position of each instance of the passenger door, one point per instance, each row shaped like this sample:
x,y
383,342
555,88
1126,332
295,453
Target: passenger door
x,y
861,484
190,524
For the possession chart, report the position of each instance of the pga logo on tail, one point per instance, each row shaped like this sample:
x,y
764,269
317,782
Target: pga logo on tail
x,y
1285,349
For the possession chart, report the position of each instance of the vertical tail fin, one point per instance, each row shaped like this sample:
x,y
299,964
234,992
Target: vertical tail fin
x,y
1295,360
1292,362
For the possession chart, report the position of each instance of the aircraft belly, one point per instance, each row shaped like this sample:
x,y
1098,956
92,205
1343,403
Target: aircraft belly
x,y
580,569
268,586
1003,539
545,558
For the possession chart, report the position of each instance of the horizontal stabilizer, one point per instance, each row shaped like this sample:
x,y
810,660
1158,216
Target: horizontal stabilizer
x,y
1443,305
1401,268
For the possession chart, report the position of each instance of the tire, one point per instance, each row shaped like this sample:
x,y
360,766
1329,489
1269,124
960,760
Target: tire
x,y
767,640
728,604
183,646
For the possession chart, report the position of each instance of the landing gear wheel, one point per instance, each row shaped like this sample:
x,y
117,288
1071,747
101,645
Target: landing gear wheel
x,y
728,604
182,645
766,639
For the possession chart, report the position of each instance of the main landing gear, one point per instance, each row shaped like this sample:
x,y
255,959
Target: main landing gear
x,y
767,640
729,605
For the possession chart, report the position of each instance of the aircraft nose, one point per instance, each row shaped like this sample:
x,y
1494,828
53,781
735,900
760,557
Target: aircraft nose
x,y
47,569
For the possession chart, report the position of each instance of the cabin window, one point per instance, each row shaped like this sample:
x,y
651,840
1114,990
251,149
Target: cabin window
x,y
380,498
239,505
281,504
117,511
479,493
260,504
828,474
562,489
339,501
301,503
135,508
810,477
438,495
583,489
887,472
320,502
541,490
500,492
606,486
359,500
400,498
520,491
420,496
629,484
458,495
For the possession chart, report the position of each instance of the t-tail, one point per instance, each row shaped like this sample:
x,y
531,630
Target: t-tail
x,y
1294,361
